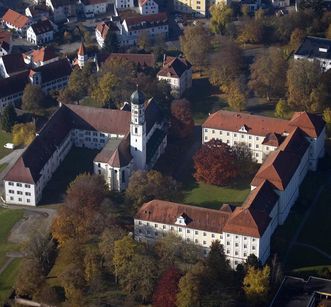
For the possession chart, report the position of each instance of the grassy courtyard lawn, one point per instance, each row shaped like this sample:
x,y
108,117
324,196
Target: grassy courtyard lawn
x,y
8,219
211,196
5,137
7,280
318,224
78,161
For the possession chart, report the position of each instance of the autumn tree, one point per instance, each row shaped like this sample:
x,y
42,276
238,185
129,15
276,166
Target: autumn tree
x,y
145,186
23,134
195,44
297,36
303,81
189,287
252,32
167,287
124,73
281,109
102,91
8,118
221,15
244,159
268,74
33,98
215,163
256,284
82,214
182,123
327,115
236,95
226,64
29,279
107,244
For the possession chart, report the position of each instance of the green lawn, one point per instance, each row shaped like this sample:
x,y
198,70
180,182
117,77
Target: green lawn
x,y
8,219
78,161
4,138
3,166
7,280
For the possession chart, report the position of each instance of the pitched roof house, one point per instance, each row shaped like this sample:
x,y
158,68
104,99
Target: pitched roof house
x,y
16,21
41,32
177,71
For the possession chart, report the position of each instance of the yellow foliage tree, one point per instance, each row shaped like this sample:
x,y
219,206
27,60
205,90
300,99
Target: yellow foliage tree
x,y
256,284
23,134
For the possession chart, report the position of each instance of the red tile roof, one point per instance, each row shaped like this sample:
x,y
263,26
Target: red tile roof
x,y
255,124
81,50
273,139
5,36
43,54
311,124
139,19
196,217
42,26
16,19
174,67
104,27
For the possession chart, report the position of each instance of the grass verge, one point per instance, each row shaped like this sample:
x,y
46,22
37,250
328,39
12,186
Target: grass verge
x,y
7,280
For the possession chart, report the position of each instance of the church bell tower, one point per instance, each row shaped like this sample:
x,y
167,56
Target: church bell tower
x,y
138,129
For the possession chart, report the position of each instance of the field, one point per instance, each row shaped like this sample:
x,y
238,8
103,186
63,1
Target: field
x,y
8,218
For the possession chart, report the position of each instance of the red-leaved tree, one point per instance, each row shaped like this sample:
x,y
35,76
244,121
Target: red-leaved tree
x,y
182,123
215,163
167,288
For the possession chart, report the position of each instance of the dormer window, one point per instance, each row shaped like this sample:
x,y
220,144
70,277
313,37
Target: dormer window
x,y
243,129
181,220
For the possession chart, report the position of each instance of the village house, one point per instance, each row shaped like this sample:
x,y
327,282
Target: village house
x,y
62,9
51,76
40,57
16,21
297,144
177,71
5,42
315,49
128,29
127,140
124,4
41,32
94,7
148,7
11,64
37,12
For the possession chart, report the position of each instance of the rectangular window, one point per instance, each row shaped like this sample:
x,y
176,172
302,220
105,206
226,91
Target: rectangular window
x,y
10,183
27,193
155,225
19,193
204,242
196,232
18,184
28,200
179,229
204,234
188,231
164,226
212,235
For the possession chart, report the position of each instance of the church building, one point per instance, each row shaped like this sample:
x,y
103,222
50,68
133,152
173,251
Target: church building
x,y
127,140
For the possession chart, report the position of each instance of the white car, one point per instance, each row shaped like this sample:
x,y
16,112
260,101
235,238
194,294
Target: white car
x,y
9,145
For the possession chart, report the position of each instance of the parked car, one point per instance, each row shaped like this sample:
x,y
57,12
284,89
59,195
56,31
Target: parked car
x,y
9,145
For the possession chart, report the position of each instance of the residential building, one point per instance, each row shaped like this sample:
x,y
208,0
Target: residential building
x,y
315,49
94,7
41,32
40,57
148,7
128,29
82,56
11,64
198,8
245,229
124,4
281,3
62,9
37,12
294,291
5,42
177,71
16,21
52,76
127,141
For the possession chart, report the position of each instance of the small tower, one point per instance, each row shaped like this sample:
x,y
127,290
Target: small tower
x,y
82,56
138,129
